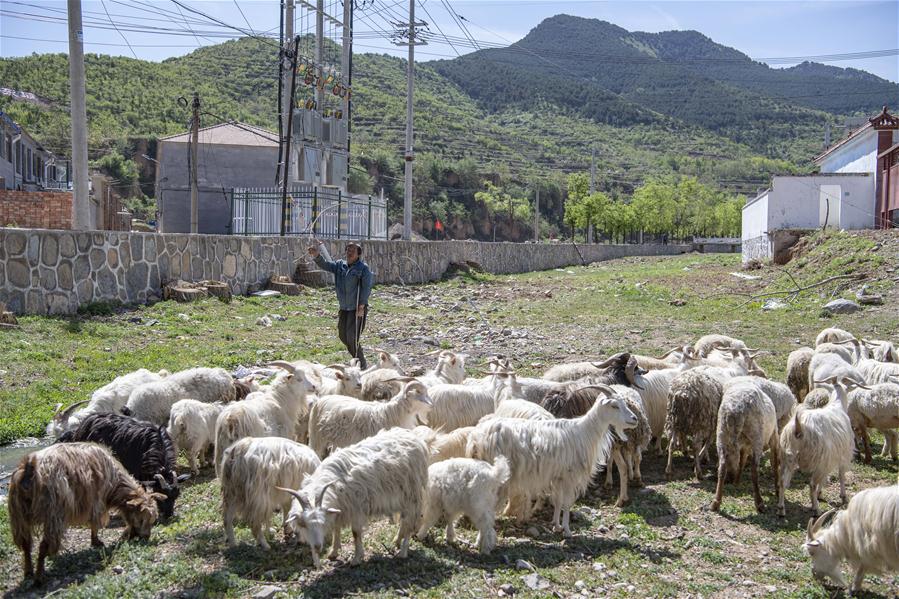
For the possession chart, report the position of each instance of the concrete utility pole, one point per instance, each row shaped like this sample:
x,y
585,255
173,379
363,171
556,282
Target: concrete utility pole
x,y
409,32
319,49
537,216
194,187
81,215
592,189
285,83
346,64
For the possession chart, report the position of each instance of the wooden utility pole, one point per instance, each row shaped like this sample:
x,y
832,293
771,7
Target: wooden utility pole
x,y
592,190
285,85
81,202
194,187
537,216
285,209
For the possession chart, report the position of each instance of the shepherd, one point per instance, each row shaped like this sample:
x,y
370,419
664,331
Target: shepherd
x,y
352,281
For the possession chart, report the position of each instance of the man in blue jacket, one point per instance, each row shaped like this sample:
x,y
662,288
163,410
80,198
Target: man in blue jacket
x,y
352,281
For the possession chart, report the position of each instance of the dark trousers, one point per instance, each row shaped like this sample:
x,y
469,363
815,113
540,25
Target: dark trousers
x,y
346,330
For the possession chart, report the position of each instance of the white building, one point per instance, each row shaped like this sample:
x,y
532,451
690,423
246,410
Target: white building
x,y
844,195
832,200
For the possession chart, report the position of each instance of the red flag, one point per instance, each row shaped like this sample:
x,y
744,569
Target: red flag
x,y
438,225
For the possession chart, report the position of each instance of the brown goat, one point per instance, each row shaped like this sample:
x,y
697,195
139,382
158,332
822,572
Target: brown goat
x,y
73,484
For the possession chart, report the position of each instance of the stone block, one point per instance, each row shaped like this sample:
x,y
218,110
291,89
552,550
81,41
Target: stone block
x,y
48,278
60,303
15,300
246,249
84,291
34,249
98,258
107,285
67,247
185,266
154,284
34,302
50,250
219,250
229,267
83,241
112,257
137,247
136,280
267,254
125,254
64,275
15,243
82,268
163,262
175,266
2,274
18,273
196,267
150,248
181,241
99,239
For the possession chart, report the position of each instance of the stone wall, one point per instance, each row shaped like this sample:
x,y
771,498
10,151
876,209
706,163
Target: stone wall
x,y
36,209
44,271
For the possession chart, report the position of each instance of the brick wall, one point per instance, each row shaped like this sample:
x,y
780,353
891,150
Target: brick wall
x,y
36,209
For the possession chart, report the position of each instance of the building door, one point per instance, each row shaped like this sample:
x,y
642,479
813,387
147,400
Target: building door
x,y
829,206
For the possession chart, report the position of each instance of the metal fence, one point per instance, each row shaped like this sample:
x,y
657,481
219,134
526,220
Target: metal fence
x,y
322,211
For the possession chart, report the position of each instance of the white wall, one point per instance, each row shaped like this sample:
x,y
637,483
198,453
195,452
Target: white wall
x,y
755,217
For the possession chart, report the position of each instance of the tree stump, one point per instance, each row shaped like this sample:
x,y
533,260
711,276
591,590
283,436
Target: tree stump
x,y
7,318
218,289
184,292
284,285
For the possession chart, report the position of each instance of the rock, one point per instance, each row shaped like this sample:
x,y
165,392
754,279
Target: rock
x,y
870,300
678,302
773,304
598,566
118,569
264,321
506,590
525,565
580,584
842,306
535,582
771,588
278,317
267,592
183,316
532,532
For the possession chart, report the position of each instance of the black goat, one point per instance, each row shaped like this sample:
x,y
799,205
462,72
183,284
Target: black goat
x,y
577,397
144,449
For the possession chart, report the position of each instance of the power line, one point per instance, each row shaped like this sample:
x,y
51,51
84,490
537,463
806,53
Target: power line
x,y
103,2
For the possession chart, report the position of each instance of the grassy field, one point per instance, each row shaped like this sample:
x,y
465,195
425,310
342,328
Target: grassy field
x,y
665,543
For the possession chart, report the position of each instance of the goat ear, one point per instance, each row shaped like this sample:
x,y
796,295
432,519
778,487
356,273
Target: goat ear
x,y
288,377
183,478
158,496
136,501
339,375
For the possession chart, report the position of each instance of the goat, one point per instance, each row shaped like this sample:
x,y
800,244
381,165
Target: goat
x,y
379,476
144,449
192,429
73,484
876,407
153,401
464,486
798,363
557,457
251,470
864,534
336,421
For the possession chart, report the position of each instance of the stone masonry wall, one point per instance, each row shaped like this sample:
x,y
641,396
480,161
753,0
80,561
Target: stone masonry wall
x,y
36,209
45,271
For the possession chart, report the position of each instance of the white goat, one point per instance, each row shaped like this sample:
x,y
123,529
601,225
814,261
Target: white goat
x,y
832,335
864,534
798,363
378,477
708,343
464,486
692,414
627,453
336,421
747,423
445,445
272,412
153,401
252,469
192,429
819,442
111,397
509,400
450,370
557,457
877,407
825,365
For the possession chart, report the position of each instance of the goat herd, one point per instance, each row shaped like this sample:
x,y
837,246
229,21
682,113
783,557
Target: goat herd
x,y
334,447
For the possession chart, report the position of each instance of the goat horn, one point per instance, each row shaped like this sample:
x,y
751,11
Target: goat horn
x,y
669,352
817,524
630,370
65,414
283,365
321,494
845,341
300,497
163,483
340,367
605,363
604,388
400,379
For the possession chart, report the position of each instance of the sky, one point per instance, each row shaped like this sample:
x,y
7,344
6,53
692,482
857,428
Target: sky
x,y
772,30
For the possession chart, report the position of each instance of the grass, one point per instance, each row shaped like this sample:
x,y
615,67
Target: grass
x,y
664,543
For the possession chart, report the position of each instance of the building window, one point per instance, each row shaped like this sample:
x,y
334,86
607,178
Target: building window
x,y
28,164
9,148
19,158
2,144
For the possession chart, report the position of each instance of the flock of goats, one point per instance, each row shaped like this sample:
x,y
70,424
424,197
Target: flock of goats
x,y
334,447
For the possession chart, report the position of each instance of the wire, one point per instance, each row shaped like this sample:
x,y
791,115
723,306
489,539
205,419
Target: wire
x,y
103,2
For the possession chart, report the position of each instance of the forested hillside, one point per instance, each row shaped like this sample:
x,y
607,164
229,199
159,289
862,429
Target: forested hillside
x,y
667,105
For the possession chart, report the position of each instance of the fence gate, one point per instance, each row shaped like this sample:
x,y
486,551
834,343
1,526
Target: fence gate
x,y
323,211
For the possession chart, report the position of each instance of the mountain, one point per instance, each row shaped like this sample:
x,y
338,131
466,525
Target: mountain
x,y
681,74
522,116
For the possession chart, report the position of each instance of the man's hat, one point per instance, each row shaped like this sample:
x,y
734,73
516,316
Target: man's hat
x,y
354,245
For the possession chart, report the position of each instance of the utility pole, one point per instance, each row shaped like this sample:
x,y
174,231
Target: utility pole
x,y
285,207
319,48
194,142
592,189
409,32
537,216
346,65
285,84
81,202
